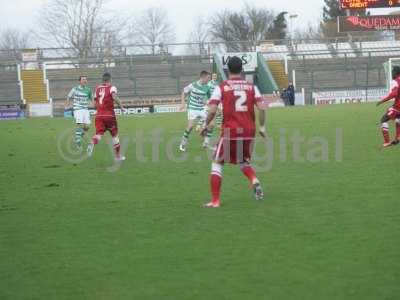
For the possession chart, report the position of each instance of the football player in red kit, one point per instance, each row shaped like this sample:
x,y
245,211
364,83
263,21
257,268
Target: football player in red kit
x,y
238,99
105,96
393,113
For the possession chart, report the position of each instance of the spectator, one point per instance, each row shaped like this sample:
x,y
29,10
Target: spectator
x,y
291,94
284,97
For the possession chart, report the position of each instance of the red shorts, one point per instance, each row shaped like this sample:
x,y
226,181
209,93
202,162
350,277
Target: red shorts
x,y
393,113
234,151
104,124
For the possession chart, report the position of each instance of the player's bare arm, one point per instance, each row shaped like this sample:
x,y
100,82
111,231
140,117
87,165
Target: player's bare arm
x,y
93,101
261,119
69,99
117,100
392,95
68,103
213,108
388,97
183,100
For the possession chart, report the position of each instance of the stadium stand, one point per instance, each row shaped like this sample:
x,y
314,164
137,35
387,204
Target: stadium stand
x,y
376,47
62,80
278,72
278,52
335,64
137,77
338,74
345,48
333,49
35,90
316,51
318,65
10,93
9,57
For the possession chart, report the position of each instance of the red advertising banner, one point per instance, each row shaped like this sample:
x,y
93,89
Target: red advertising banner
x,y
368,23
360,4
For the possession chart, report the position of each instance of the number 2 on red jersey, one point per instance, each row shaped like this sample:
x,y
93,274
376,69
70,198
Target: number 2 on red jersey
x,y
241,101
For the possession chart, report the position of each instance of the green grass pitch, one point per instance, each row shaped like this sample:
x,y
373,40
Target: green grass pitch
x,y
326,230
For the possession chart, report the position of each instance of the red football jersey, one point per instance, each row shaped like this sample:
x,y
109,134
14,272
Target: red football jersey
x,y
104,100
238,98
394,93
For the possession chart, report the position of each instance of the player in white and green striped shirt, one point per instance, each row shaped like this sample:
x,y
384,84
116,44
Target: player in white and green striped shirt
x,y
197,94
81,97
217,122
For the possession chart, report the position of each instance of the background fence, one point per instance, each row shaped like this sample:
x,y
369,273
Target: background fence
x,y
314,65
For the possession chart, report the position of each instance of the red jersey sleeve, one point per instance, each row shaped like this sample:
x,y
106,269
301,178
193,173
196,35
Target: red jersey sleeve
x,y
96,94
216,97
113,90
393,92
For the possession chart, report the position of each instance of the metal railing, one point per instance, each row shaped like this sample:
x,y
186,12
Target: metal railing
x,y
128,75
175,49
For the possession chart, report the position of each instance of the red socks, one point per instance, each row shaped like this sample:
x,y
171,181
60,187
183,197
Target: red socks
x,y
398,130
216,179
96,139
385,133
117,145
215,183
249,172
117,149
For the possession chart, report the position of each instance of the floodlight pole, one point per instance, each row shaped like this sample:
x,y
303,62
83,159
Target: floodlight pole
x,y
292,18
